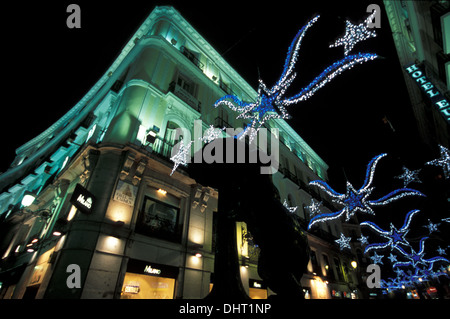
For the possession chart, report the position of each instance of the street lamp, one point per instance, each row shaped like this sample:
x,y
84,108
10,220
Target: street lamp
x,y
354,264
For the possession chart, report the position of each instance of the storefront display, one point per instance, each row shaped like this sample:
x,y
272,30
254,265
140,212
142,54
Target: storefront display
x,y
145,280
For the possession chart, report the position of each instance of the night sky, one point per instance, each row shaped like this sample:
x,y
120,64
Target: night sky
x,y
50,67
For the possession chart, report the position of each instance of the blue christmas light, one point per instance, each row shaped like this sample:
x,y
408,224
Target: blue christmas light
x,y
415,258
357,200
395,236
271,103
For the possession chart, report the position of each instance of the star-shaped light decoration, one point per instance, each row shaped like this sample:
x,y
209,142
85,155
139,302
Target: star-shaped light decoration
x,y
376,259
432,227
364,239
416,258
313,208
443,161
441,251
355,33
343,242
271,103
409,176
394,236
357,200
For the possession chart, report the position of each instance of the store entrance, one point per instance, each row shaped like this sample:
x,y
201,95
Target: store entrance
x,y
145,280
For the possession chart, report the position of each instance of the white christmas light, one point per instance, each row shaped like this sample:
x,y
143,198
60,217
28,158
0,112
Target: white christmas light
x,y
443,161
432,227
271,103
290,209
357,200
313,208
343,242
355,33
409,176
394,236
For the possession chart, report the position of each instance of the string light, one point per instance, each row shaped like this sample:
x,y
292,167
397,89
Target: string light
x,y
355,33
271,103
290,209
443,161
357,200
415,258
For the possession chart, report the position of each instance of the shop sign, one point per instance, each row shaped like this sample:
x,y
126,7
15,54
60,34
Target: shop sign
x,y
152,271
125,193
82,199
430,90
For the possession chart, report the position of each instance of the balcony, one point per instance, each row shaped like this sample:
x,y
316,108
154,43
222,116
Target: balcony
x,y
185,96
191,56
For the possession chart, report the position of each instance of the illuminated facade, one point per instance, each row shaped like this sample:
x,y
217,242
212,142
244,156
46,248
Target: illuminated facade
x,y
421,33
104,199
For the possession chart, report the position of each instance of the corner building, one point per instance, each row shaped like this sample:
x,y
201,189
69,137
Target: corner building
x,y
108,221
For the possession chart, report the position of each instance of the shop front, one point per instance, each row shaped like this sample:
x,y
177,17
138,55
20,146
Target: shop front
x,y
146,280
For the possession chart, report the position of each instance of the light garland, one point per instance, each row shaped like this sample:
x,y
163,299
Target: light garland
x,y
395,236
443,161
271,103
290,209
355,33
415,258
357,200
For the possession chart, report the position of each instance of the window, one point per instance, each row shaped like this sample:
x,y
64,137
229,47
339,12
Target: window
x,y
314,263
337,266
328,271
159,217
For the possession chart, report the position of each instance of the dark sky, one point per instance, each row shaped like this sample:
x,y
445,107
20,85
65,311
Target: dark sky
x,y
50,68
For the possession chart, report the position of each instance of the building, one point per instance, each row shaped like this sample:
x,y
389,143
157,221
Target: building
x,y
421,33
90,209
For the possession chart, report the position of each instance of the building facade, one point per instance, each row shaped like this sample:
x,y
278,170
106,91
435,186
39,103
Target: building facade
x,y
108,220
421,33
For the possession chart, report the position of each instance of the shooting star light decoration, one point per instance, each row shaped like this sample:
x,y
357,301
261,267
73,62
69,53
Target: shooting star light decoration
x,y
357,200
271,103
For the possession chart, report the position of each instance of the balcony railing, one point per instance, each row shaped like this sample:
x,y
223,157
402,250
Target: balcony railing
x,y
191,56
185,96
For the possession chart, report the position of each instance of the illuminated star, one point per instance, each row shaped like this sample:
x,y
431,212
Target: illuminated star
x,y
313,208
441,251
443,161
357,200
395,236
409,176
271,103
343,242
376,259
432,227
354,34
364,240
393,259
418,257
